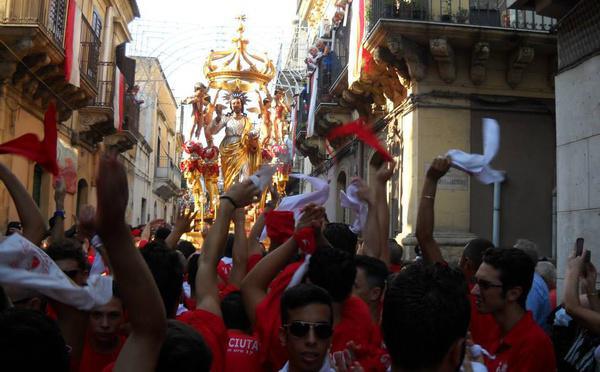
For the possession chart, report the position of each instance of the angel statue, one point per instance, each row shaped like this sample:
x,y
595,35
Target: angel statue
x,y
240,148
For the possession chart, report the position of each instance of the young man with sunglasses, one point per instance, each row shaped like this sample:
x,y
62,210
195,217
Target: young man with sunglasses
x,y
306,328
502,284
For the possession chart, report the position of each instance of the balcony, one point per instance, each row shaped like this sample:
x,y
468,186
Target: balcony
x,y
491,13
167,178
32,54
97,118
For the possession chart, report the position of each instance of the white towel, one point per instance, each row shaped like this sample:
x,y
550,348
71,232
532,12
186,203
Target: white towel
x,y
477,164
22,264
350,199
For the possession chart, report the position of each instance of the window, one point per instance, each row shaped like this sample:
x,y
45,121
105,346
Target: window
x,y
82,195
96,23
38,173
143,214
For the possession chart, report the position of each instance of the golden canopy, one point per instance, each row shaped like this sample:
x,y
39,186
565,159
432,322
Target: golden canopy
x,y
237,68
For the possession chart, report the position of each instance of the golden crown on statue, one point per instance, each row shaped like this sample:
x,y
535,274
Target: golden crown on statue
x,y
237,68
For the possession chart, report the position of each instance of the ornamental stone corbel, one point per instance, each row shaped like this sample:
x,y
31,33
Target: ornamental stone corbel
x,y
479,58
412,53
443,53
518,61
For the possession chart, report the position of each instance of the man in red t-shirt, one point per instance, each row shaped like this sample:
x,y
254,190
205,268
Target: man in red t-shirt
x,y
330,268
207,318
502,284
103,340
482,326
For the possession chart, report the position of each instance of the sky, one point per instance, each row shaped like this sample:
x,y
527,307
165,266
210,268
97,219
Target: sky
x,y
181,33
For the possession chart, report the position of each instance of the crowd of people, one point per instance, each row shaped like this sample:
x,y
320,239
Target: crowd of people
x,y
316,297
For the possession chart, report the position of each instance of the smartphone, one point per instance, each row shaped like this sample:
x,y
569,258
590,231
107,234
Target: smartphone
x,y
579,246
587,257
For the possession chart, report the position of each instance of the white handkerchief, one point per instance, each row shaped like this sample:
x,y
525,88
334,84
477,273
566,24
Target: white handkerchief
x,y
350,199
295,203
477,164
263,177
22,264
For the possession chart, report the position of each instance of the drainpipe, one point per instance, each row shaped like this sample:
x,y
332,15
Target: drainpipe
x,y
496,215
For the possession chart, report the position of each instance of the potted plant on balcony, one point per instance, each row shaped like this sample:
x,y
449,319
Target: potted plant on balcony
x,y
419,9
446,11
462,16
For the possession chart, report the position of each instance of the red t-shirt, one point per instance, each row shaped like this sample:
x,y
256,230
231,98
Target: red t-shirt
x,y
213,331
241,352
483,327
524,348
93,361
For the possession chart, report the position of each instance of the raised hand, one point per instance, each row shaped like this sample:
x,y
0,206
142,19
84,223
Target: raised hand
x,y
183,224
438,168
113,193
60,191
87,221
312,216
243,193
385,171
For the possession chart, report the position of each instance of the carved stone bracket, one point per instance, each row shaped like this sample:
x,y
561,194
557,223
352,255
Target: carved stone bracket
x,y
479,58
413,54
518,60
443,53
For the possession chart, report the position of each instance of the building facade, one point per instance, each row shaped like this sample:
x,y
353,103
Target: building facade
x,y
437,69
157,180
577,123
32,49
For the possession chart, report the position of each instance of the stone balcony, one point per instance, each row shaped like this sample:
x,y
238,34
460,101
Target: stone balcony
x,y
32,54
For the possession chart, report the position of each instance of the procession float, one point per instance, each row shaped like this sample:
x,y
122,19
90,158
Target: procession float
x,y
235,101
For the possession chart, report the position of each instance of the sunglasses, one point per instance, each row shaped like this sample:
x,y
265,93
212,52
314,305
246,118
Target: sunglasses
x,y
484,284
301,329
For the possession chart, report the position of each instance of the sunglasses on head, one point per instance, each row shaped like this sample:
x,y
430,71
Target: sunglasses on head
x,y
484,284
301,329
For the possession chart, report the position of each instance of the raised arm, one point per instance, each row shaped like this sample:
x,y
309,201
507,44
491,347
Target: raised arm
x,y
137,287
254,246
34,226
207,293
240,249
425,216
371,232
383,175
587,318
183,224
58,230
255,284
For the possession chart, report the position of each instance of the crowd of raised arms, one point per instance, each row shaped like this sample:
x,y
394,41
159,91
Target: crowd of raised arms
x,y
316,297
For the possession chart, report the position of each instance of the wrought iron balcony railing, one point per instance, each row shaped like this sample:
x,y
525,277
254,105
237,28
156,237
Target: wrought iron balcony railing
x,y
90,52
49,15
493,13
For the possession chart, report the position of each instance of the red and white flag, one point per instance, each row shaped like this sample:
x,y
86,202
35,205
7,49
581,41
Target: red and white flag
x,y
118,98
73,43
357,33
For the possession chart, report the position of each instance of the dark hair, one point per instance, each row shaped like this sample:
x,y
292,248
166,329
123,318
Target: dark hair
x,y
183,350
375,270
12,224
167,271
303,295
516,269
234,313
192,270
229,246
31,341
334,270
474,250
68,249
186,248
396,252
425,310
341,237
162,233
